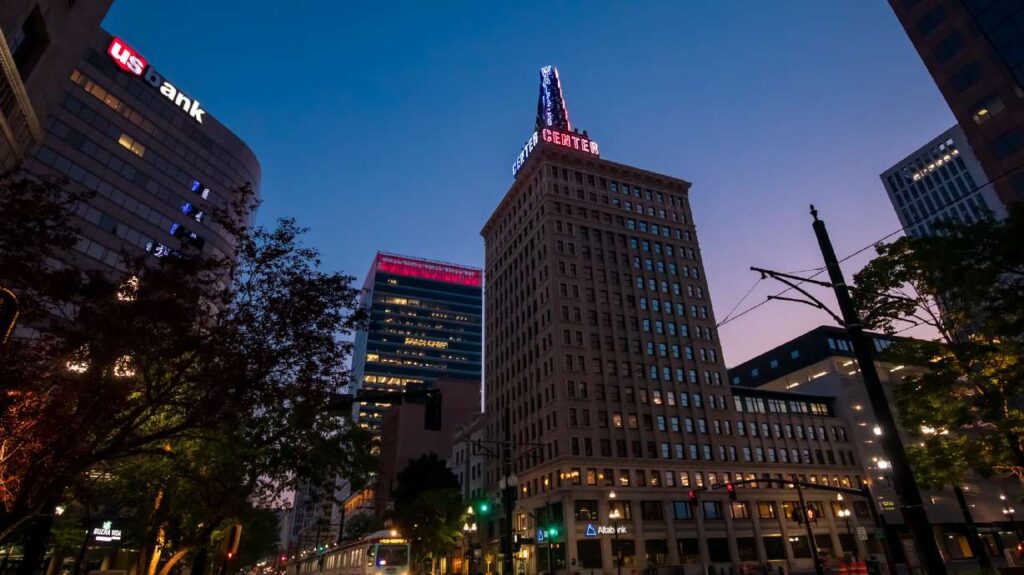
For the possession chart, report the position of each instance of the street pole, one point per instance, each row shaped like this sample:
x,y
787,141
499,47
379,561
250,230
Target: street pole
x,y
973,540
818,567
906,487
888,546
618,550
508,498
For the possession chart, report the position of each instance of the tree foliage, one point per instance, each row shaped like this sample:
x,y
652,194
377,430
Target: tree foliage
x,y
362,524
206,376
964,409
428,507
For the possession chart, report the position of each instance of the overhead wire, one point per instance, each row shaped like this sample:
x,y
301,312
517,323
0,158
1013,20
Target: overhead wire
x,y
730,318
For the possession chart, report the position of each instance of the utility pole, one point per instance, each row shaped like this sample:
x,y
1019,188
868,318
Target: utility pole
x,y
973,540
906,487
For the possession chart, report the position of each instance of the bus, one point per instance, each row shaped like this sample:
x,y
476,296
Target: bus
x,y
381,553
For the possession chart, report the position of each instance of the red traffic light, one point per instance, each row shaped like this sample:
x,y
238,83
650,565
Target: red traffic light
x,y
731,490
812,515
230,556
693,496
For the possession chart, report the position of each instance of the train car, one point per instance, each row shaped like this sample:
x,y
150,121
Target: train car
x,y
381,553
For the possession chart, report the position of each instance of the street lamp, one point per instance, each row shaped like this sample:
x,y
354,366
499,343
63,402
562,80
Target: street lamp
x,y
615,515
844,514
467,531
1008,512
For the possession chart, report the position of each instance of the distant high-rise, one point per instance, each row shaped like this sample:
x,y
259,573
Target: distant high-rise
x,y
974,50
424,324
940,181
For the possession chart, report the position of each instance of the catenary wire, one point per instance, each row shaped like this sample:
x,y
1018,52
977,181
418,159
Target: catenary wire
x,y
730,318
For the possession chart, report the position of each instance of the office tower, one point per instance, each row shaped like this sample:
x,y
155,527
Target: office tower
x,y
605,372
822,362
158,160
940,181
974,50
424,324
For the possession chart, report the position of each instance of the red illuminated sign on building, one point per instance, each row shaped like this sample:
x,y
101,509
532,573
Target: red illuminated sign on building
x,y
126,58
428,270
564,139
574,141
130,61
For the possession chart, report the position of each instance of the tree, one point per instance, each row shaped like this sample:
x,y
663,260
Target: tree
x,y
175,358
967,283
428,507
362,524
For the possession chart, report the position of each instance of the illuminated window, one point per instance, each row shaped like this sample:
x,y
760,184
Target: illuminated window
x,y
132,145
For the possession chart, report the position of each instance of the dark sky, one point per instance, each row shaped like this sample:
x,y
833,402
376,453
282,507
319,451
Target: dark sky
x,y
393,126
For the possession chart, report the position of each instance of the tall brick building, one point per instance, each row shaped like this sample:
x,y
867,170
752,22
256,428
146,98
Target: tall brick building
x,y
604,369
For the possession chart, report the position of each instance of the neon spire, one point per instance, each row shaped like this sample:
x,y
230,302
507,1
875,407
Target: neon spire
x,y
551,111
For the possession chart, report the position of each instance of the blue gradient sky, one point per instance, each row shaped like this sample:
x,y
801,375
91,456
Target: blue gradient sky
x,y
394,126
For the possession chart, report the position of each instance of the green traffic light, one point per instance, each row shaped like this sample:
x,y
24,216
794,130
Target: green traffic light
x,y
484,507
552,531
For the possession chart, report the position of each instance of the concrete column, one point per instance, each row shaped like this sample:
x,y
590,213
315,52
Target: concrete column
x,y
637,529
755,521
673,547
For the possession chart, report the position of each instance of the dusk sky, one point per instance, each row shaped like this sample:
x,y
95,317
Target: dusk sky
x,y
394,126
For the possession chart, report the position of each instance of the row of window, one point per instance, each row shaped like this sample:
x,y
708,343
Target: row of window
x,y
623,478
578,363
654,510
158,106
705,452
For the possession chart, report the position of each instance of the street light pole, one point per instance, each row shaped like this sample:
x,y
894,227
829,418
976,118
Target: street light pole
x,y
614,515
844,513
906,486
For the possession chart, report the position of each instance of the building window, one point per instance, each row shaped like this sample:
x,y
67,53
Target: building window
x,y
585,509
712,509
682,510
132,145
931,20
767,510
651,511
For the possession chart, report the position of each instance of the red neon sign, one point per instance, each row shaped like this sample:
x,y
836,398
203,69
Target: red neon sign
x,y
127,59
428,270
573,141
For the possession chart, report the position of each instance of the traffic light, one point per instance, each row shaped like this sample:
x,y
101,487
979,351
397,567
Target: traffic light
x,y
482,507
693,496
230,555
812,515
731,490
552,531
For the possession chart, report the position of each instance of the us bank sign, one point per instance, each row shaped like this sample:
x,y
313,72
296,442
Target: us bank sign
x,y
558,138
130,61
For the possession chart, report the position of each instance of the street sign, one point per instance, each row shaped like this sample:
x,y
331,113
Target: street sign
x,y
862,534
541,535
591,531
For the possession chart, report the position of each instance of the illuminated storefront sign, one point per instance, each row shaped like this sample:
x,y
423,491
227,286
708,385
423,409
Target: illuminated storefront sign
x,y
419,341
563,139
595,530
106,533
428,270
131,62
